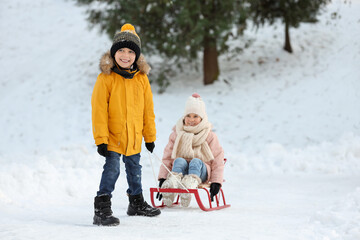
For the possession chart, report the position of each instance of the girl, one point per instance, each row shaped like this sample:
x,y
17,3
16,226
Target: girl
x,y
193,153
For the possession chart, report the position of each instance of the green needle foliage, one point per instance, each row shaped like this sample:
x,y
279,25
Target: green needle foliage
x,y
290,12
177,30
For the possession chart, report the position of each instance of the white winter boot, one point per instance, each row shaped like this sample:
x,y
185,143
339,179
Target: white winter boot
x,y
191,181
172,181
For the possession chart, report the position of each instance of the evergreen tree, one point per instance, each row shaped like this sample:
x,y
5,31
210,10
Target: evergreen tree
x,y
177,29
290,12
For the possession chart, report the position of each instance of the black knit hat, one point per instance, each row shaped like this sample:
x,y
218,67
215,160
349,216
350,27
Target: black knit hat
x,y
126,38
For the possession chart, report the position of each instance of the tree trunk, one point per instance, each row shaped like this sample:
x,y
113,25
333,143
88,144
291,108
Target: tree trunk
x,y
210,61
287,46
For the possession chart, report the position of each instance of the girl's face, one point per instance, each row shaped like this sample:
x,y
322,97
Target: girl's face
x,y
125,57
192,119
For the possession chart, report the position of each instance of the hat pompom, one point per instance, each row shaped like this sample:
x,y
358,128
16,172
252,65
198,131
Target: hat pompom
x,y
196,95
128,27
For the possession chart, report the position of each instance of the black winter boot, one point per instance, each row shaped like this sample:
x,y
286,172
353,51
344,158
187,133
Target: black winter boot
x,y
138,206
103,214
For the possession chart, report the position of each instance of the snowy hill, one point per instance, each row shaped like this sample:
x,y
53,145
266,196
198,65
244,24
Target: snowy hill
x,y
289,124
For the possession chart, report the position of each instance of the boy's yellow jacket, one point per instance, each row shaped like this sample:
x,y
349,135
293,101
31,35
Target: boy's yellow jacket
x,y
123,109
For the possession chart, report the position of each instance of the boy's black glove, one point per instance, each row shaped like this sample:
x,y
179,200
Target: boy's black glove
x,y
214,189
102,149
150,146
158,195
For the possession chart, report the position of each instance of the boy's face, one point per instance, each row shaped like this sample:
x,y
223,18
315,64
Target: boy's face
x,y
125,57
192,119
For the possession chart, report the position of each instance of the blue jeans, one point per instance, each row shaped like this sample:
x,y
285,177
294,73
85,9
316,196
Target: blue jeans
x,y
195,166
111,173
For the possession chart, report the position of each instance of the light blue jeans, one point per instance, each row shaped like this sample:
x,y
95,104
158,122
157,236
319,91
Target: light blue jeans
x,y
195,166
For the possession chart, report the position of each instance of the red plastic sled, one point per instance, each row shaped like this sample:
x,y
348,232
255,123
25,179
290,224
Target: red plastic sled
x,y
219,198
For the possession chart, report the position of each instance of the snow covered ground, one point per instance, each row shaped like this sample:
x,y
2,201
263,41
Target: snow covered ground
x,y
289,124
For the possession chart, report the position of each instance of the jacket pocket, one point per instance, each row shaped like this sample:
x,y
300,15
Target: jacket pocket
x,y
138,137
117,132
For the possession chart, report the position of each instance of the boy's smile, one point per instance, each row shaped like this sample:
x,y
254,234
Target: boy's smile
x,y
125,57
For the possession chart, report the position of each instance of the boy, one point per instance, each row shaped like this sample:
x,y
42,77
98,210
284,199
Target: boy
x,y
122,114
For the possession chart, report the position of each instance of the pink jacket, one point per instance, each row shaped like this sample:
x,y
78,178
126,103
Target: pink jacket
x,y
215,168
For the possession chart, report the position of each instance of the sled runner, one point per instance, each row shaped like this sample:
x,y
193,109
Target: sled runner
x,y
218,204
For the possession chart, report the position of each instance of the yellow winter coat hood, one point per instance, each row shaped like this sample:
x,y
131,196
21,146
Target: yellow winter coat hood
x,y
122,108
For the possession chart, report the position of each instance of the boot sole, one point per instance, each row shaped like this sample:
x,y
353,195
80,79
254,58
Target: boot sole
x,y
97,221
143,214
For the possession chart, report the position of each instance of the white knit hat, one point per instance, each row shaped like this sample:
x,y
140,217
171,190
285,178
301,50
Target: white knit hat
x,y
195,104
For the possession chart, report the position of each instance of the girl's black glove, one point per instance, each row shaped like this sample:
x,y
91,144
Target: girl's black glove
x,y
158,195
102,149
214,189
150,146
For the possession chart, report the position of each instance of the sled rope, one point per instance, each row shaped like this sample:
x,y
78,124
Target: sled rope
x,y
167,169
152,167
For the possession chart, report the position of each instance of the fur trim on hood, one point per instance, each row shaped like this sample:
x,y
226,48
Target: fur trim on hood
x,y
107,63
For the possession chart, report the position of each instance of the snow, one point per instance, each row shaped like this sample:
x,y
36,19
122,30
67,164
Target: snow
x,y
289,124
